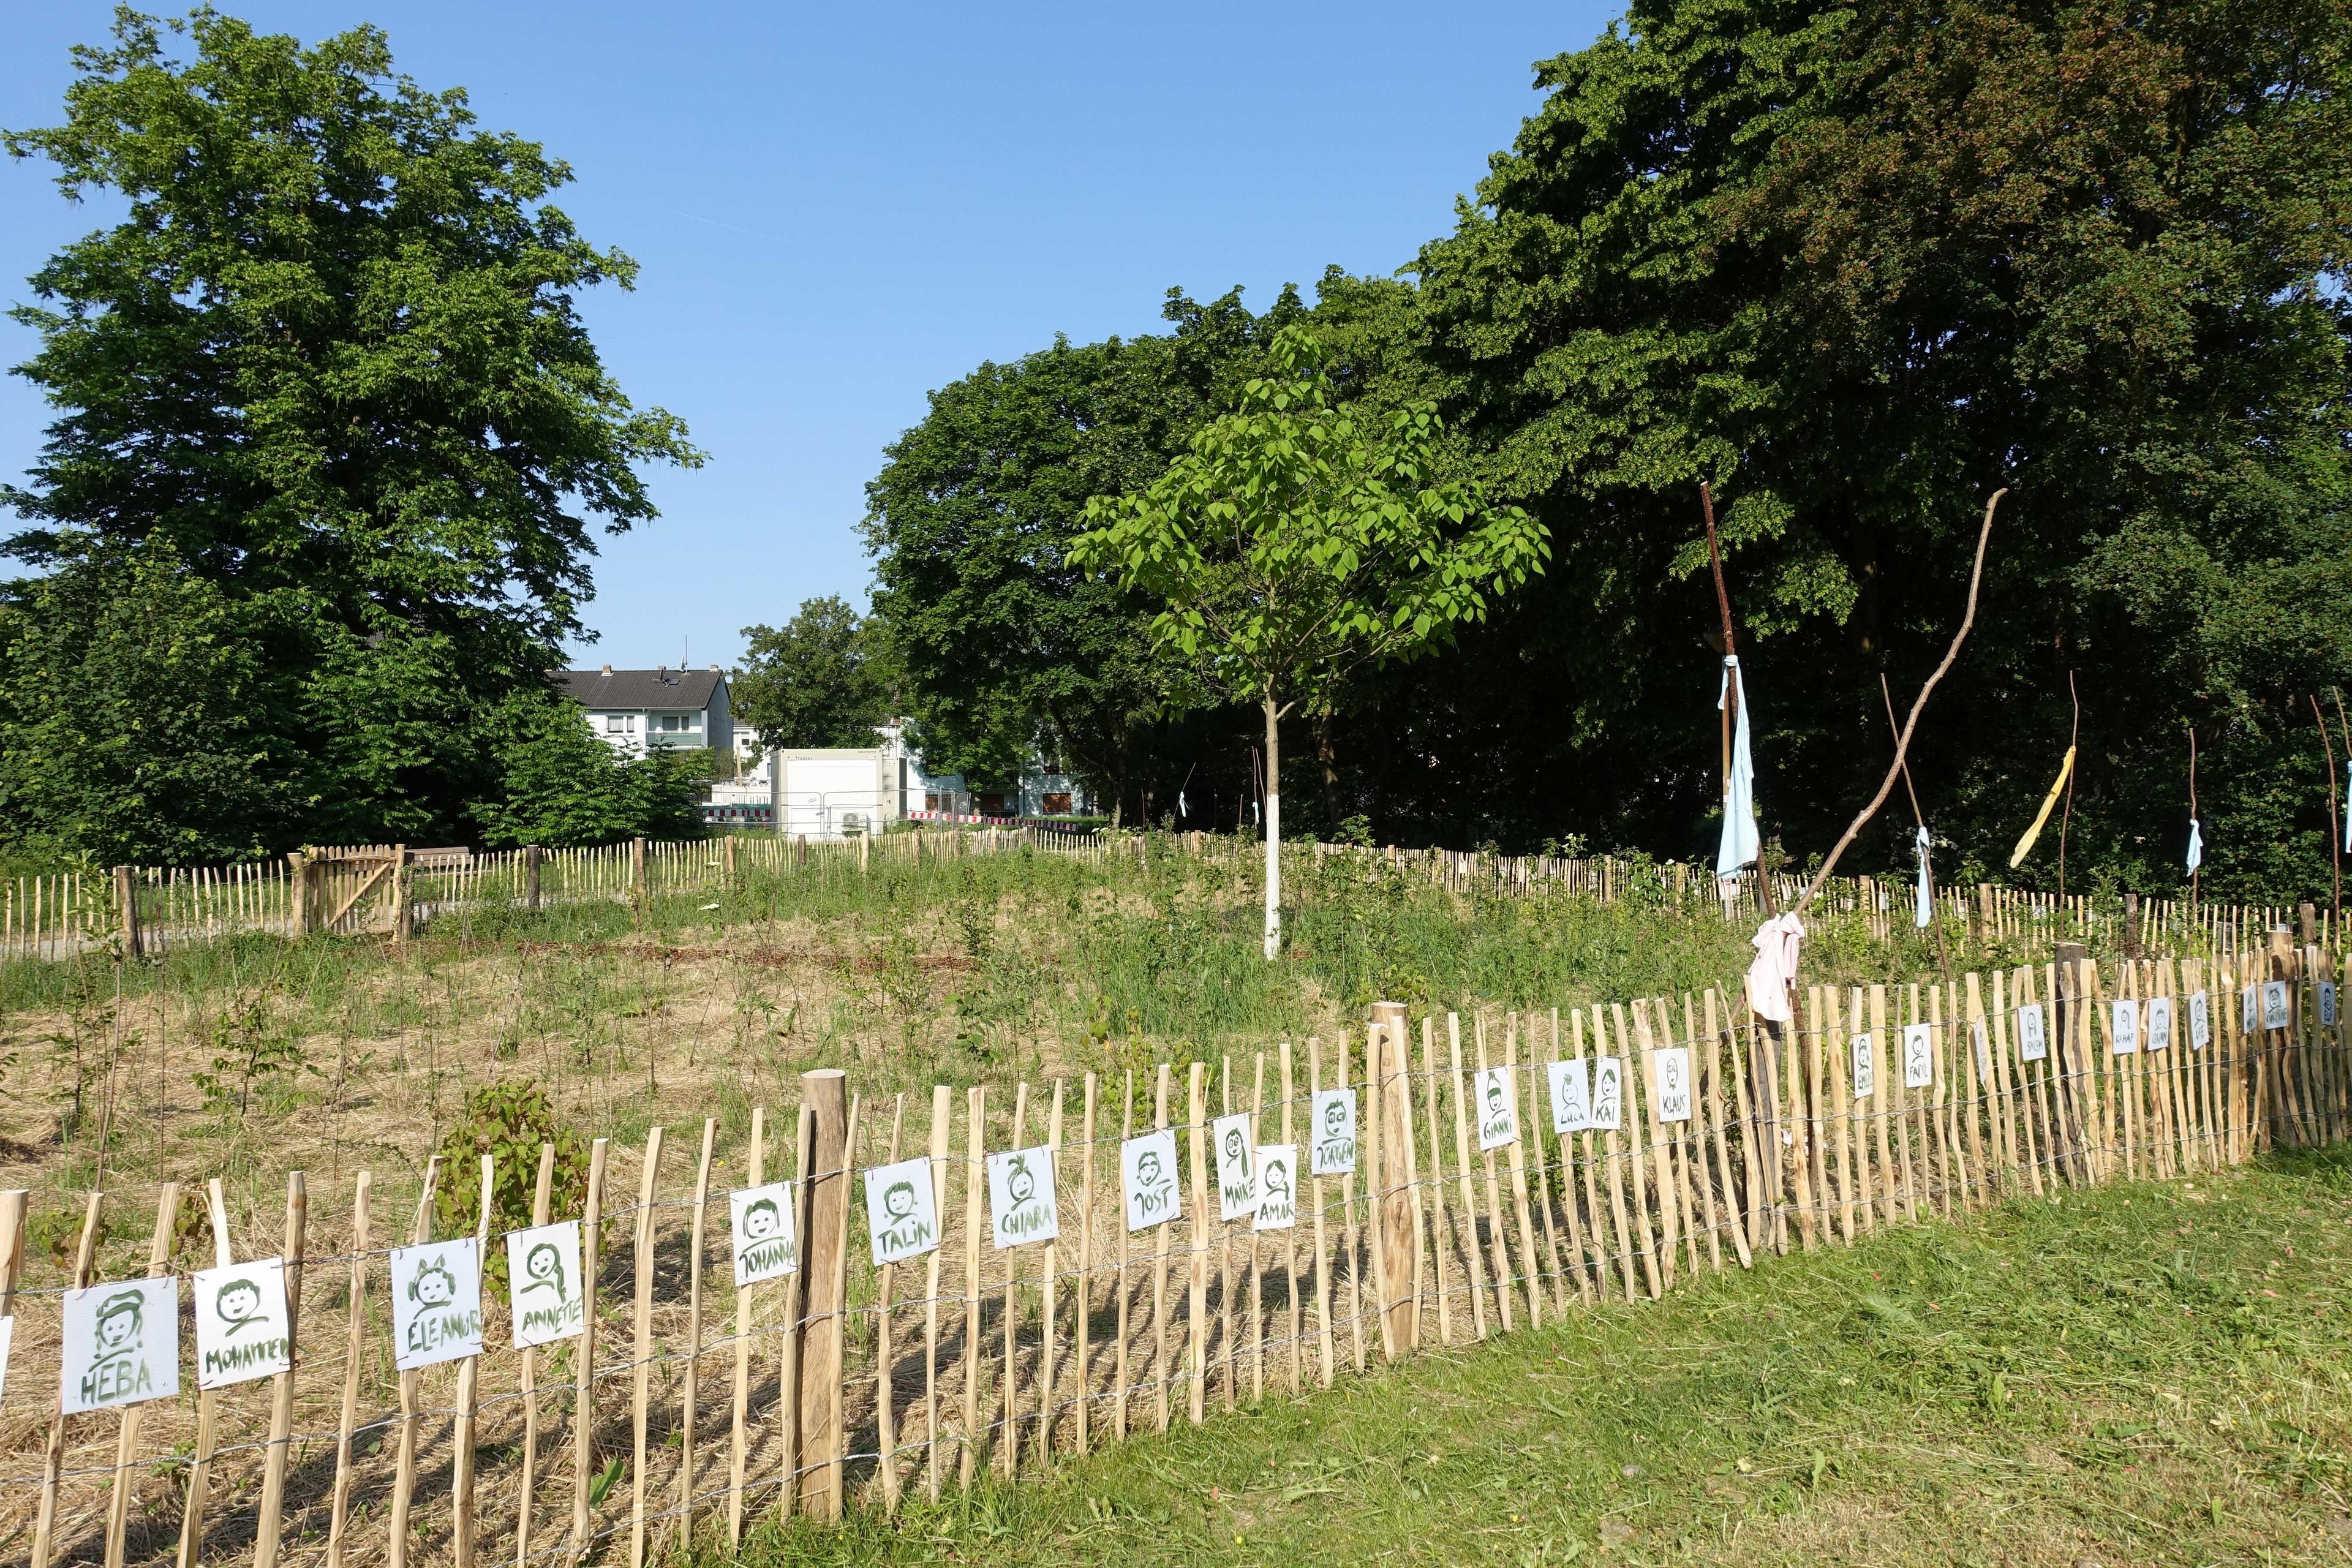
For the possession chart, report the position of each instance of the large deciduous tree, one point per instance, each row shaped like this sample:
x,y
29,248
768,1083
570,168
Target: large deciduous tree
x,y
1297,541
823,679
326,381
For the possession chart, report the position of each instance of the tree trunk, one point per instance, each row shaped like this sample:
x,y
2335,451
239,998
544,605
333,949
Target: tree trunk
x,y
1325,755
1273,830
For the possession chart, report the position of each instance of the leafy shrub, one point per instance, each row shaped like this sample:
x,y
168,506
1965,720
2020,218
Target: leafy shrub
x,y
509,1121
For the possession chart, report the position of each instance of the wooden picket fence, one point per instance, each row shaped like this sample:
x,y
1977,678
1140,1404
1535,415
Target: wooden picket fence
x,y
685,1409
149,908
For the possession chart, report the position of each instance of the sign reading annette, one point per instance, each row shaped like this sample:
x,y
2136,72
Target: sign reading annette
x,y
122,1344
1021,1196
543,1283
900,1211
1147,1166
241,1323
1335,1131
436,1302
767,1245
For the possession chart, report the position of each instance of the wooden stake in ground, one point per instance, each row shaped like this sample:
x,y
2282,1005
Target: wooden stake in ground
x,y
642,1351
541,1203
340,1506
461,1442
1198,1322
975,1224
403,1484
943,1116
688,1395
584,1387
825,1167
755,1174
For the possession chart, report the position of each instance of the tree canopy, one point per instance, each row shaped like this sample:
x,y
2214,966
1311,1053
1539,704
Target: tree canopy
x,y
824,679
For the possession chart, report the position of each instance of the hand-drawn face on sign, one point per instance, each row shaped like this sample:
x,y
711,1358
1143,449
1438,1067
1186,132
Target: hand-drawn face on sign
x,y
1277,1186
436,1302
2033,1044
2160,1024
122,1344
1335,1131
1918,1056
1571,1095
1498,1111
2123,1028
543,1283
900,1212
2328,1004
1147,1171
241,1323
766,1241
2250,1008
1865,1066
1673,1077
2200,1021
1020,1197
1229,1136
2274,1004
1978,1039
1608,1093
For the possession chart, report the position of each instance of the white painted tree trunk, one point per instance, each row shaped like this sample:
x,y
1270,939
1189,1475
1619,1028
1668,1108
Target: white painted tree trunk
x,y
1273,831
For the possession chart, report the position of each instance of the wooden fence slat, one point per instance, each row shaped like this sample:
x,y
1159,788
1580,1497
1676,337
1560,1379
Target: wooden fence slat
x,y
269,1532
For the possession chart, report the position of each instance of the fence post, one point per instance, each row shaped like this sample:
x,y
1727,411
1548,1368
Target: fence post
x,y
126,909
1399,1240
2130,934
824,1170
399,893
532,855
636,881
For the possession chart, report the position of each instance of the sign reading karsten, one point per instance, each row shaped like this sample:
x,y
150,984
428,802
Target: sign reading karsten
x,y
1335,1131
766,1244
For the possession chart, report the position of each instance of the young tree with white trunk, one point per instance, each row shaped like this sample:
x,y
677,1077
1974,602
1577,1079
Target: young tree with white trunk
x,y
1301,540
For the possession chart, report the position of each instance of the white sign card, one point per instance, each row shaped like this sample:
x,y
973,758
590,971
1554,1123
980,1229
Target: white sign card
x,y
241,1323
7,1339
1571,1095
1608,1093
436,1302
1984,1050
761,1230
1499,1110
2274,1004
1277,1186
900,1212
543,1292
2200,1022
1021,1203
1236,1187
2160,1024
1335,1131
2124,1031
1918,1056
122,1344
2250,1008
2328,1004
1670,1075
2033,1044
1148,1168
1865,1066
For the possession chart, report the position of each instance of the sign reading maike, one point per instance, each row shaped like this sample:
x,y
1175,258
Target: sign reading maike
x,y
1670,1074
122,1344
761,1228
241,1323
1020,1207
1277,1186
1147,1171
436,1302
1335,1131
543,1283
1229,1136
899,1211
1499,1110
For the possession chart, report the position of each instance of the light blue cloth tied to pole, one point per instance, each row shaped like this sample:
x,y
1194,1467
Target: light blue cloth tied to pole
x,y
1925,912
1740,839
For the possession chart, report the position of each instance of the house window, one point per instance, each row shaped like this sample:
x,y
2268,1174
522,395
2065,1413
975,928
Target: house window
x,y
1057,803
680,723
616,724
990,804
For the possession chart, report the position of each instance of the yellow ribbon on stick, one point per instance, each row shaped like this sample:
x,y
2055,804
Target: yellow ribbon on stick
x,y
2049,803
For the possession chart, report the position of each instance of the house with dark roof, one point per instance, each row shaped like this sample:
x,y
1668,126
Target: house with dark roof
x,y
637,710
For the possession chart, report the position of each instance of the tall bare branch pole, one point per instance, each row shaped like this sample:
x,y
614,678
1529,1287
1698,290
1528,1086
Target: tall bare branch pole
x,y
2073,739
1943,953
2334,818
2192,816
1730,650
1903,741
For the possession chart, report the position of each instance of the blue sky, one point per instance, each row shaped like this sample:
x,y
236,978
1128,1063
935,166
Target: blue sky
x,y
838,209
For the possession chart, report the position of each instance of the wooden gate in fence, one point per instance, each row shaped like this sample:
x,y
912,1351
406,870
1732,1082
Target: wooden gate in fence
x,y
357,890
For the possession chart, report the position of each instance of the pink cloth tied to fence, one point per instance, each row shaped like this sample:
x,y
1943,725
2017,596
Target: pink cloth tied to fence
x,y
1775,969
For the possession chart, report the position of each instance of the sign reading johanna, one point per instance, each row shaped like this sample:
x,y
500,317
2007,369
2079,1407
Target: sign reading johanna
x,y
900,1212
1335,1131
1147,1169
1021,1196
766,1241
543,1283
436,1302
241,1323
122,1344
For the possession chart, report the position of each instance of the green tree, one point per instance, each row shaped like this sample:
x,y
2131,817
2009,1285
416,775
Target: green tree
x,y
824,679
331,363
559,784
1297,541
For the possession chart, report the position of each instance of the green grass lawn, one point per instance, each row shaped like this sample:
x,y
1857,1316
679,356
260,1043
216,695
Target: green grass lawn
x,y
2145,1374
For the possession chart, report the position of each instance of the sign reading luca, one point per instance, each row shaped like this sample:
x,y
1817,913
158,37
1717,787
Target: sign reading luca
x,y
1498,1113
122,1344
241,1323
1335,1131
767,1245
543,1283
1236,1183
436,1302
1277,1186
1918,1056
1671,1074
1147,1166
1571,1095
900,1211
1021,1196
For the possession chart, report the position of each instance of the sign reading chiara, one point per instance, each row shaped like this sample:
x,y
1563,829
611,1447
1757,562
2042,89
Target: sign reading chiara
x,y
1020,1197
